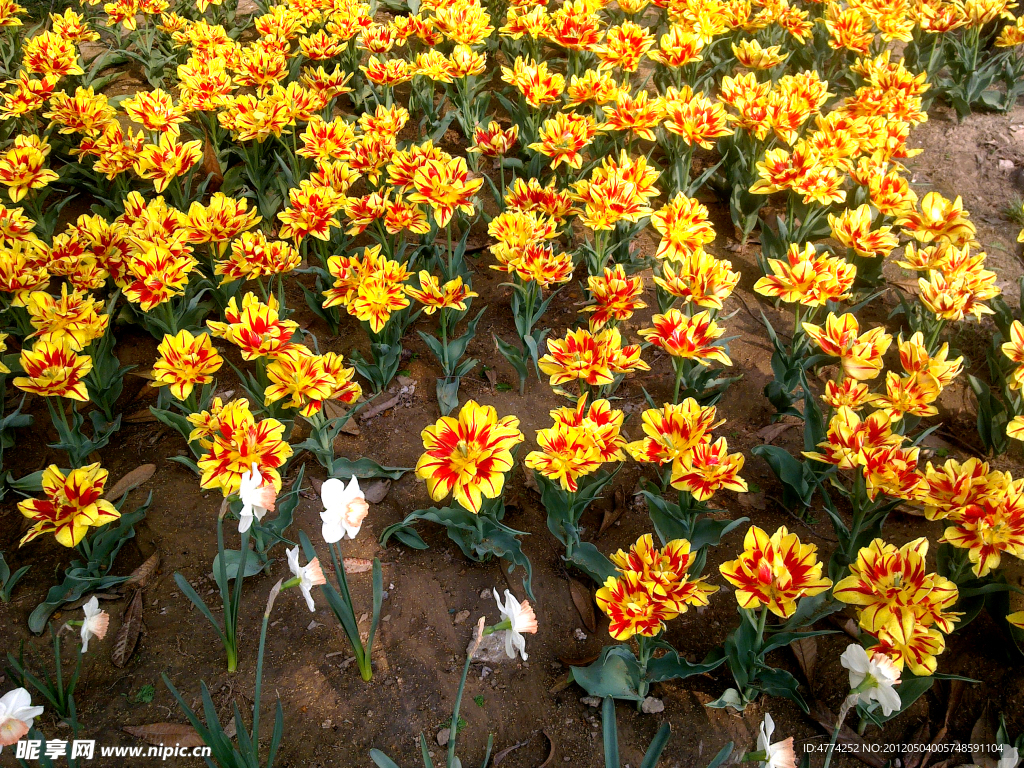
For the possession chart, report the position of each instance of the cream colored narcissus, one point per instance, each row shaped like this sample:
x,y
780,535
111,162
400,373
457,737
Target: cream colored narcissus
x,y
16,716
95,623
306,576
257,498
872,678
345,508
517,619
777,755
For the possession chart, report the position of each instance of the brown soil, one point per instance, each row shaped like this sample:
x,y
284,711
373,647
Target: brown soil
x,y
332,718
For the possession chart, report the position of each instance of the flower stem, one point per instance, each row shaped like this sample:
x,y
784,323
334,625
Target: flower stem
x,y
454,727
843,711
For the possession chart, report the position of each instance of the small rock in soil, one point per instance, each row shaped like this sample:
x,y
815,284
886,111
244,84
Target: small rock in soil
x,y
485,594
442,737
461,616
491,650
652,706
591,701
580,634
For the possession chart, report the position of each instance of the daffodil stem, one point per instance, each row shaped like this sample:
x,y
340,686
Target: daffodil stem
x,y
454,727
843,711
274,592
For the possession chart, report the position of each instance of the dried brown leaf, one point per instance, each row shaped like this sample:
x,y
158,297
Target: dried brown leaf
x,y
983,733
211,166
500,757
582,661
145,416
133,479
143,575
584,603
563,682
913,752
86,598
827,721
530,479
613,514
806,651
379,408
773,432
128,634
357,565
159,734
551,752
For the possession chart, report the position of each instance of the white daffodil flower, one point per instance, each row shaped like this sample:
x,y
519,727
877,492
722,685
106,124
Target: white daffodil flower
x,y
307,576
345,508
779,754
517,619
257,498
95,623
16,716
872,678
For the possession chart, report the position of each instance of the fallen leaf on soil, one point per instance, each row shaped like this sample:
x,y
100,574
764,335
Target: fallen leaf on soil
x,y
773,432
166,733
128,634
492,379
211,168
983,733
580,662
584,603
351,428
500,757
133,479
530,480
83,600
376,492
142,575
561,684
956,691
613,514
357,565
379,408
551,752
145,416
806,651
914,750
827,720
333,410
